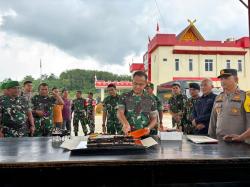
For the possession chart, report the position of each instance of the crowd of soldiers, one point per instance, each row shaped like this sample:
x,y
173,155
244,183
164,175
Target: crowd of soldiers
x,y
224,116
22,114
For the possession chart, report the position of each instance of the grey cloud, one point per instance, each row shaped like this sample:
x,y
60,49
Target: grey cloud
x,y
104,30
108,30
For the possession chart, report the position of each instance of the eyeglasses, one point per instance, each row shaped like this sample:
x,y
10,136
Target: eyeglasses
x,y
138,84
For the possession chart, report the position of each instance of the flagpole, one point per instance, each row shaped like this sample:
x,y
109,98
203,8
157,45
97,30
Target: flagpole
x,y
41,73
157,28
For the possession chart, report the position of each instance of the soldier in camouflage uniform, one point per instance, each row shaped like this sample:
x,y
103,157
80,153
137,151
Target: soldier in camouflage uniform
x,y
159,106
176,103
27,90
3,88
27,93
42,109
90,107
194,90
79,109
136,109
110,105
14,113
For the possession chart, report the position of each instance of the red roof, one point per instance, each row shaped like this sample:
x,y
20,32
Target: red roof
x,y
171,40
136,67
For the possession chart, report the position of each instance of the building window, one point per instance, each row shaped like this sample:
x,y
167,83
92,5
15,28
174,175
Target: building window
x,y
208,65
190,64
165,60
239,66
228,64
177,64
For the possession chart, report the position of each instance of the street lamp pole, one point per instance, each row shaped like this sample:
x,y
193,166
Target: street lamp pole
x,y
248,18
247,6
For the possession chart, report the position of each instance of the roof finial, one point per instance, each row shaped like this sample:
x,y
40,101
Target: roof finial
x,y
191,22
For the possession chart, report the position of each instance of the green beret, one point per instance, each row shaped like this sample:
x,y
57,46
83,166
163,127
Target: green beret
x,y
12,84
3,85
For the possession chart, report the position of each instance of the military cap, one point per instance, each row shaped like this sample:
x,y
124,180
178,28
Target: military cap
x,y
12,84
194,85
176,84
3,85
150,85
227,73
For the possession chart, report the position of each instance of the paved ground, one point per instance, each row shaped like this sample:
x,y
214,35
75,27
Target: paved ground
x,y
167,122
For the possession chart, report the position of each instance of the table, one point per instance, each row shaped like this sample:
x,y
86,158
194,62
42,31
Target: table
x,y
169,162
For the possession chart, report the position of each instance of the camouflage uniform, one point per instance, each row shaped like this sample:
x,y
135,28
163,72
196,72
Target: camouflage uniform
x,y
159,108
188,110
78,107
1,96
43,124
138,109
176,103
90,107
28,97
158,102
110,105
13,116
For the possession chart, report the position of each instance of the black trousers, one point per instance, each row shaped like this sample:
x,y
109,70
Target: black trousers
x,y
67,125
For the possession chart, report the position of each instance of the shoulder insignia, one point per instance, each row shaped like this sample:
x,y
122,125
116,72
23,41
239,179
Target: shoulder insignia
x,y
236,97
219,98
247,102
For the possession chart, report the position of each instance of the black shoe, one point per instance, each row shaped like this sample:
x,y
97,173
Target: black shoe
x,y
76,133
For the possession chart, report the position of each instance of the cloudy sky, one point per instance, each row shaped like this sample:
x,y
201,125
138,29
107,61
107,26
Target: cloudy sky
x,y
101,34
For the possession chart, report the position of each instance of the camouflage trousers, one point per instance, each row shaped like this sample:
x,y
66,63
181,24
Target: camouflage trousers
x,y
82,119
16,132
114,127
178,124
188,128
91,122
43,127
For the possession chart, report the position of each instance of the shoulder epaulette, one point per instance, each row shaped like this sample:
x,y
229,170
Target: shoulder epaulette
x,y
247,102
